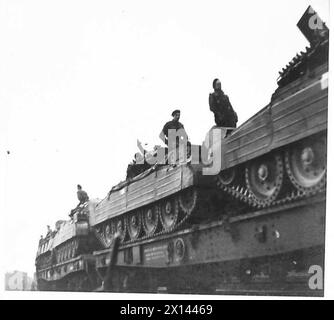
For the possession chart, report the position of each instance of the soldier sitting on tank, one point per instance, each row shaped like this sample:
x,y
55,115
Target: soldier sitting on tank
x,y
181,134
82,197
220,105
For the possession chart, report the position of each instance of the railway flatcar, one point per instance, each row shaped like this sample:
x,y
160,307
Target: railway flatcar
x,y
255,227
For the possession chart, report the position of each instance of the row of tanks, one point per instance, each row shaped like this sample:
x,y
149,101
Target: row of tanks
x,y
272,164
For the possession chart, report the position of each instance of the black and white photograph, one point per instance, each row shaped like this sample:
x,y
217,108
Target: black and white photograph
x,y
164,148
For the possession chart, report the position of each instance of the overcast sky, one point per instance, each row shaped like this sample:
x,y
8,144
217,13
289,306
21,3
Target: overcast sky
x,y
80,81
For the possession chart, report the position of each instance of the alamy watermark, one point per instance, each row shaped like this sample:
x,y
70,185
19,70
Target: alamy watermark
x,y
315,23
316,280
209,154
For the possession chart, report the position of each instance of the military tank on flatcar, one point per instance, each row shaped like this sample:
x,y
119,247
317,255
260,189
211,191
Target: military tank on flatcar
x,y
157,202
273,173
279,155
276,157
64,254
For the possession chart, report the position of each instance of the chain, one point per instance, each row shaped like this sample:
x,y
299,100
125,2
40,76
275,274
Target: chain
x,y
245,196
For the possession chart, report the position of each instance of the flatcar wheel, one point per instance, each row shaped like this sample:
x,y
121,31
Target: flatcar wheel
x,y
226,177
169,214
264,178
306,164
134,225
150,220
188,200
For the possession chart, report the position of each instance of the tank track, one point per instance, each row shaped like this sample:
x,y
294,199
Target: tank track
x,y
288,186
243,194
182,212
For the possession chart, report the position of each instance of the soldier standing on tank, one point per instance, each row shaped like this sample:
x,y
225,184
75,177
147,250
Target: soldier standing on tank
x,y
220,105
176,125
170,125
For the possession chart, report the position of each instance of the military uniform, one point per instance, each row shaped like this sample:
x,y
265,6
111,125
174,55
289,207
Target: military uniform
x,y
220,105
82,196
176,125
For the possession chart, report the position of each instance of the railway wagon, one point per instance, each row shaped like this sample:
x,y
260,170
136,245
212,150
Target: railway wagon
x,y
257,227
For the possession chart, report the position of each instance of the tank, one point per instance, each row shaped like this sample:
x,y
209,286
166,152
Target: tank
x,y
255,226
64,253
157,202
279,155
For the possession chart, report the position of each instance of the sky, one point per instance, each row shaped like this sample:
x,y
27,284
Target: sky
x,y
81,81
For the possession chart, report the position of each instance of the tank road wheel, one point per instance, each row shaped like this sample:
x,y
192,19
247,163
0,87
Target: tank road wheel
x,y
226,177
169,214
264,179
306,164
109,231
150,220
121,228
188,200
134,225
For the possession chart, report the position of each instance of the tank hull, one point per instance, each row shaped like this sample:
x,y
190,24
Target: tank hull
x,y
289,118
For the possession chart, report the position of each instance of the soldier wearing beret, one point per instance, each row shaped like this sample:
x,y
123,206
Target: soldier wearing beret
x,y
181,137
173,124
